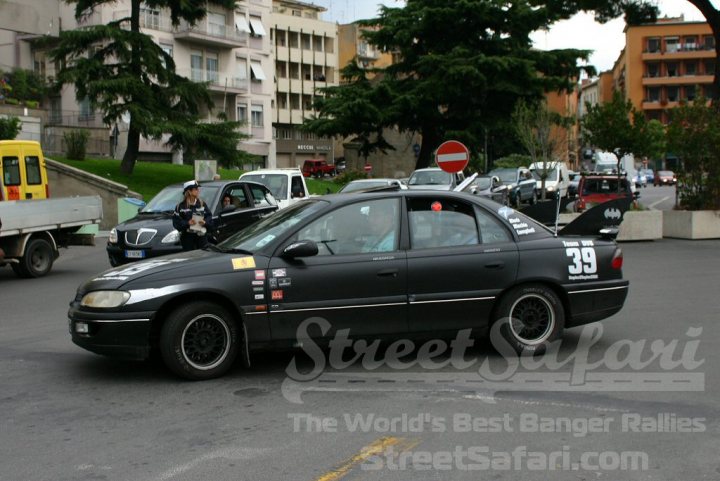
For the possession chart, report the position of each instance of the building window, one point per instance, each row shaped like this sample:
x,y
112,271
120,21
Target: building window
x,y
257,27
329,45
39,63
296,13
212,67
242,113
306,41
256,71
281,38
149,18
709,67
690,92
216,24
672,93
690,43
653,69
257,115
196,66
241,68
294,70
317,43
281,69
653,94
293,39
307,102
690,68
295,101
306,71
709,42
672,69
282,100
672,44
86,110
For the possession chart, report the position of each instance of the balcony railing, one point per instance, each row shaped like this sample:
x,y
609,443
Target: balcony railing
x,y
213,33
215,79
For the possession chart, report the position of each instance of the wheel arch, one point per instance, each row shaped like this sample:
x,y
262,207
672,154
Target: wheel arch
x,y
15,246
172,303
550,283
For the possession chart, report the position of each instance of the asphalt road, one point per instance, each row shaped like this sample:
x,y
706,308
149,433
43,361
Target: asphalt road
x,y
71,415
659,198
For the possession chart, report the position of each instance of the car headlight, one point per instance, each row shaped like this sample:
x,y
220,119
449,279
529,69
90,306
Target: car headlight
x,y
112,238
105,299
549,189
173,237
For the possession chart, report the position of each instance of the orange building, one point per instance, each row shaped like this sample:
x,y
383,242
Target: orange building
x,y
664,63
352,45
565,104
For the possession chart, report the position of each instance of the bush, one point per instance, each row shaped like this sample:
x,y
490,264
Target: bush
x,y
694,136
12,101
9,128
33,104
76,144
512,161
349,176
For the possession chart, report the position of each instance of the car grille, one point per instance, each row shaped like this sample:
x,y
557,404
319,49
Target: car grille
x,y
140,237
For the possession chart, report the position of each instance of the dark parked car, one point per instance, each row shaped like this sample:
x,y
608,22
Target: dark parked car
x,y
433,178
599,188
151,233
388,264
664,177
521,183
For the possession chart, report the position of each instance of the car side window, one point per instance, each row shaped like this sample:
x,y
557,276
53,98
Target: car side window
x,y
441,223
11,169
238,198
362,227
297,190
491,230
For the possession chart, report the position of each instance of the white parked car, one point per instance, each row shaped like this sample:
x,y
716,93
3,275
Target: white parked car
x,y
287,185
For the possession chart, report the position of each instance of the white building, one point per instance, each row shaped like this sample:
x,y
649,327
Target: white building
x,y
306,59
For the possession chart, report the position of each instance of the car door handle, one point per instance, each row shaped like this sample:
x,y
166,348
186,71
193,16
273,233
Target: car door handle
x,y
388,273
495,265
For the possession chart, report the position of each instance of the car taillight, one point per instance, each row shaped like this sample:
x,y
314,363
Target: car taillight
x,y
617,260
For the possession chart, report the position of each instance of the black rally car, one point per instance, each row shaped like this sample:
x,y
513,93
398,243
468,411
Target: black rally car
x,y
391,264
151,233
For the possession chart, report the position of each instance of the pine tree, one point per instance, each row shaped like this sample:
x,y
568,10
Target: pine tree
x,y
123,71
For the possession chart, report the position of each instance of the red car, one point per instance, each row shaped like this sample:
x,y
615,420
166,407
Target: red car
x,y
317,168
664,177
596,189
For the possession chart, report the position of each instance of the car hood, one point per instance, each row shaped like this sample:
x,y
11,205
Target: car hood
x,y
164,270
160,221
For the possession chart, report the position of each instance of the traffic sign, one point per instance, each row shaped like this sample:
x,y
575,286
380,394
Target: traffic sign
x,y
452,156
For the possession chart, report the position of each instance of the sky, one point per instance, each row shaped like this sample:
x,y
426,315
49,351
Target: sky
x,y
581,31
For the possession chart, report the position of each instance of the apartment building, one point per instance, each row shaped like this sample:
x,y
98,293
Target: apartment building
x,y
665,63
229,48
353,47
305,55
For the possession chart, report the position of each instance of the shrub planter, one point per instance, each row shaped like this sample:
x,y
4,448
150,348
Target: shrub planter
x,y
692,224
639,225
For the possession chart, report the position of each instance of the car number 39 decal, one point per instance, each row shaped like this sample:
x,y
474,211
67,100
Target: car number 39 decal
x,y
583,260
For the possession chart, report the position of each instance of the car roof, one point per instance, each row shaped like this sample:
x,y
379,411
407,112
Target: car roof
x,y
348,198
217,183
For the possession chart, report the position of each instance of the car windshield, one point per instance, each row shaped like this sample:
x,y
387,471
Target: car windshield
x,y
551,174
666,173
430,177
603,186
169,197
506,175
356,186
270,228
277,183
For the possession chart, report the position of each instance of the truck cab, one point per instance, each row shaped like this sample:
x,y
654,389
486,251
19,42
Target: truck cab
x,y
22,166
287,185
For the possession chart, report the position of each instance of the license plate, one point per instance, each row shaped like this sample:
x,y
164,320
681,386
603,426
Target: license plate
x,y
134,254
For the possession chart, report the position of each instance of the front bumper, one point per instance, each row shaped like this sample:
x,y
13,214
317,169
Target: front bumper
x,y
124,335
595,301
118,254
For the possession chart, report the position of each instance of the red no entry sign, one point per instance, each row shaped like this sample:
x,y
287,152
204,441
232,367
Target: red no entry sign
x,y
452,156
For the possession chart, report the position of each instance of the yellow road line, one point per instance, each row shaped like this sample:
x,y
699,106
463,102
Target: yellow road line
x,y
373,449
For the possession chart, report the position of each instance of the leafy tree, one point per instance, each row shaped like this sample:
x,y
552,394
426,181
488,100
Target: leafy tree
x,y
461,81
121,70
513,161
26,85
9,128
694,135
537,130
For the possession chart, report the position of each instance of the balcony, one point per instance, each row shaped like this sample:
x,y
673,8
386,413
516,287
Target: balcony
x,y
216,81
211,35
677,80
679,54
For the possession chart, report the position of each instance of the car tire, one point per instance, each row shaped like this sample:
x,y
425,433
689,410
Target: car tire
x,y
531,317
37,259
199,341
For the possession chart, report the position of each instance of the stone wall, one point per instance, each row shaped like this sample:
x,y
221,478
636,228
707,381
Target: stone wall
x,y
66,181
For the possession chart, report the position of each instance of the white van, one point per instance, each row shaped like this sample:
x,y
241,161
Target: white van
x,y
557,180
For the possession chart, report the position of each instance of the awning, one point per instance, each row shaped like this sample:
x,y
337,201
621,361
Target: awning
x,y
257,27
257,71
242,25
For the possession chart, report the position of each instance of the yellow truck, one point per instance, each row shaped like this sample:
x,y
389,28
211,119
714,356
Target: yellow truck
x,y
23,171
33,227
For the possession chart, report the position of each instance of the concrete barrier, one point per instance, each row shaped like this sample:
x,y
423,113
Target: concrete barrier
x,y
687,224
66,181
639,225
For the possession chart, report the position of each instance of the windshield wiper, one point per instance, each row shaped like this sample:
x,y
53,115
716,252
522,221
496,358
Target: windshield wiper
x,y
213,247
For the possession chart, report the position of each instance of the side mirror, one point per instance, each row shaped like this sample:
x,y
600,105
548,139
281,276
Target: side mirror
x,y
303,248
